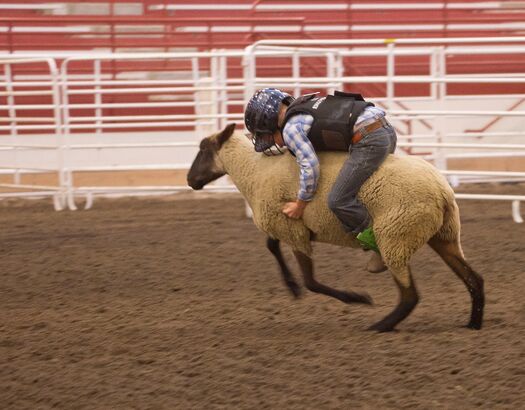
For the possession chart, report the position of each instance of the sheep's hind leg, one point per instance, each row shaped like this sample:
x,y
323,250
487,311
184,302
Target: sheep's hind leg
x,y
275,248
305,262
451,253
408,300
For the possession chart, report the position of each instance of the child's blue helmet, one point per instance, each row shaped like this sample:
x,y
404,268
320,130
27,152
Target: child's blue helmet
x,y
262,116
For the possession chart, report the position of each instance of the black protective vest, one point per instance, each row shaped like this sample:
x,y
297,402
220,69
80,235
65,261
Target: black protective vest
x,y
334,118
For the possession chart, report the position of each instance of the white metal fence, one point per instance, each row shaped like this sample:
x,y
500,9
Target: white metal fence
x,y
16,145
91,134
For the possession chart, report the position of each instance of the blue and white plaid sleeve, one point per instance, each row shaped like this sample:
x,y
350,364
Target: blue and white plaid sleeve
x,y
295,136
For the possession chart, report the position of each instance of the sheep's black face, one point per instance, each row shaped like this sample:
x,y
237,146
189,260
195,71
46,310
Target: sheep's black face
x,y
204,168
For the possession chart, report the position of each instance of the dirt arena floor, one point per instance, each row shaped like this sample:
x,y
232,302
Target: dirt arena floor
x,y
174,303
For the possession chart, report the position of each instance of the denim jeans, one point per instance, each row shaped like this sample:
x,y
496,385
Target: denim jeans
x,y
365,157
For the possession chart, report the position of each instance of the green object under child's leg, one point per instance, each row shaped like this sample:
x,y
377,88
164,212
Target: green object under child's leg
x,y
368,240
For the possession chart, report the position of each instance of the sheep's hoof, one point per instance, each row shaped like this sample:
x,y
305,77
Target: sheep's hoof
x,y
354,297
295,289
375,264
381,327
473,326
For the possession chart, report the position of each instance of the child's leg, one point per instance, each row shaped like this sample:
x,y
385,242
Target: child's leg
x,y
366,156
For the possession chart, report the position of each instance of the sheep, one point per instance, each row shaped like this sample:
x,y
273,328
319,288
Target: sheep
x,y
410,203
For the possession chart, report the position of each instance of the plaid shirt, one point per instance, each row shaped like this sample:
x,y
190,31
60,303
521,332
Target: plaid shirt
x,y
295,136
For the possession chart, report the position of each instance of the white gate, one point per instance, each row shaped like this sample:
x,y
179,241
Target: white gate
x,y
168,139
21,152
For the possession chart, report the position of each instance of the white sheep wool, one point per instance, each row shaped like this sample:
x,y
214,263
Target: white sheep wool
x,y
408,199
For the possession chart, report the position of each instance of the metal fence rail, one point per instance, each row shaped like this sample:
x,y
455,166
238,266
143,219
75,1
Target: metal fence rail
x,y
16,166
97,115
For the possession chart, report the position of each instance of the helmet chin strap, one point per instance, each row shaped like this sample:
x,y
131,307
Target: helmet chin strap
x,y
275,149
272,150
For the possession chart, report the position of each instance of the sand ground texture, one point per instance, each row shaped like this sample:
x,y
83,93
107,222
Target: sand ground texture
x,y
174,303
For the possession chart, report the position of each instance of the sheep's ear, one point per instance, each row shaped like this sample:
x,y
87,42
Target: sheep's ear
x,y
225,134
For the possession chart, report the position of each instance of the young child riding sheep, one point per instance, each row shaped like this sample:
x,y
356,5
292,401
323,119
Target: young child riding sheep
x,y
410,204
311,123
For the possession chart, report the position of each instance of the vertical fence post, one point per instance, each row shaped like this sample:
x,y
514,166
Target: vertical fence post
x,y
215,99
390,72
97,78
440,158
223,80
433,70
339,70
249,72
59,199
516,215
248,62
13,122
196,94
66,172
296,73
330,71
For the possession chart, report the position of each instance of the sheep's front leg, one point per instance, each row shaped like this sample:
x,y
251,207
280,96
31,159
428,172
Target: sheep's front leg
x,y
305,262
275,248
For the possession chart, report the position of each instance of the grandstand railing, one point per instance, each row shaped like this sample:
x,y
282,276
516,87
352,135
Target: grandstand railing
x,y
205,100
119,33
215,26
